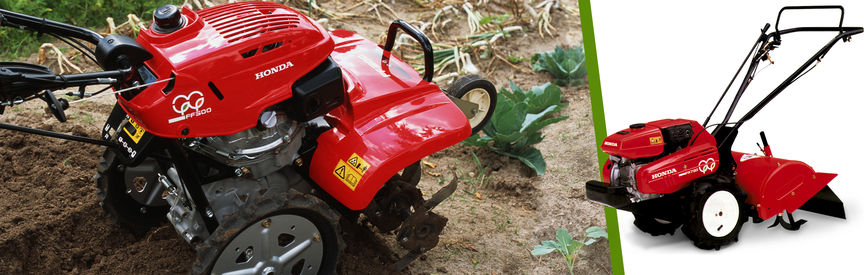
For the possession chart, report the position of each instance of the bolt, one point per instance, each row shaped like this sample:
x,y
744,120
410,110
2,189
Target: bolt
x,y
209,213
378,213
298,162
238,172
265,223
403,239
188,235
176,219
143,210
249,253
286,138
474,111
129,191
268,271
316,237
121,168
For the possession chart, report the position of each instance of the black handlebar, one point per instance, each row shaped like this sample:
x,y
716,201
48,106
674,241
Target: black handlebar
x,y
829,7
39,24
428,55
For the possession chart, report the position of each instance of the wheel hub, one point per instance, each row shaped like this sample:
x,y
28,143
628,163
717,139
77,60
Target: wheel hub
x,y
279,244
720,213
480,97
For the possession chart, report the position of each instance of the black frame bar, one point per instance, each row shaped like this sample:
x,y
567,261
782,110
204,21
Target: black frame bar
x,y
759,52
39,24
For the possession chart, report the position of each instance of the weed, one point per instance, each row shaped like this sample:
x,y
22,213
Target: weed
x,y
567,246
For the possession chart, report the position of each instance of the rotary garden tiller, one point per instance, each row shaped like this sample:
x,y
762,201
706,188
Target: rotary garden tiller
x,y
670,173
254,131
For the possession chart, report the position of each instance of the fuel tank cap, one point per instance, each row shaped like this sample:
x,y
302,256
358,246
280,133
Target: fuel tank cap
x,y
167,19
637,126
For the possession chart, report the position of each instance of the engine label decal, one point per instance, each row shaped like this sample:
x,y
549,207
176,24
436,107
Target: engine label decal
x,y
656,140
351,172
609,143
183,103
707,165
271,71
745,157
663,174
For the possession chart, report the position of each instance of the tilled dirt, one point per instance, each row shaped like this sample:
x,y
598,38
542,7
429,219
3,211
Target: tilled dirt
x,y
51,222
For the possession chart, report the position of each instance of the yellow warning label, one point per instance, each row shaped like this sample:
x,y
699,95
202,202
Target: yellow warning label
x,y
358,163
347,174
656,140
139,131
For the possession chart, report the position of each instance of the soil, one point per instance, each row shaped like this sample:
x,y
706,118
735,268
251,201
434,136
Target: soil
x,y
51,222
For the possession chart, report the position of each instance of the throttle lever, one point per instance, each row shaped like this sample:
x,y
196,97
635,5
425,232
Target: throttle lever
x,y
767,148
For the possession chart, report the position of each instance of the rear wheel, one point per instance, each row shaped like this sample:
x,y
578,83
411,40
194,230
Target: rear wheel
x,y
654,226
475,89
715,214
115,197
281,233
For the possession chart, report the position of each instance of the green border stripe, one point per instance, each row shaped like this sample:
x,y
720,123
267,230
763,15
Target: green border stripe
x,y
600,128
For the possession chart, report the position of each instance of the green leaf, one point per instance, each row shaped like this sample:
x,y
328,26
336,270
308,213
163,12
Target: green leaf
x,y
567,66
596,232
485,20
540,250
565,240
531,157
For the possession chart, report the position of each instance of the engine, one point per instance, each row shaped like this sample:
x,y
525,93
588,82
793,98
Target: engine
x,y
652,159
259,154
258,151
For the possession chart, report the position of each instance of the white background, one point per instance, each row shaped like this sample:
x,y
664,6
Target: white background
x,y
673,59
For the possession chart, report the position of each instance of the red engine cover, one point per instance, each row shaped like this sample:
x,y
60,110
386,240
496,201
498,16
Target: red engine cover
x,y
774,184
217,91
675,171
670,173
644,142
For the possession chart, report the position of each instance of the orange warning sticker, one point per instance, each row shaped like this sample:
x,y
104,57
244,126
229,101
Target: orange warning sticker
x,y
656,140
139,131
347,174
358,163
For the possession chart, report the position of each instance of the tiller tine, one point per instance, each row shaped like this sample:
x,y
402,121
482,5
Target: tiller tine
x,y
420,231
791,225
826,203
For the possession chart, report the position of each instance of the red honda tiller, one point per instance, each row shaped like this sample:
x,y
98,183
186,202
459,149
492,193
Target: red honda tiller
x,y
254,130
670,173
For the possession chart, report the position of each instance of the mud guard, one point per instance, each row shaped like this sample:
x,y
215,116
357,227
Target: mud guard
x,y
391,119
774,184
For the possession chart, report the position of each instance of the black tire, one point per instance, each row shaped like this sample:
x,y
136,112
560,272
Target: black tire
x,y
654,226
721,191
468,83
122,209
262,208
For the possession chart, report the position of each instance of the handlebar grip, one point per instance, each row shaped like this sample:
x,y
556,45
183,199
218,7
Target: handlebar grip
x,y
825,7
428,55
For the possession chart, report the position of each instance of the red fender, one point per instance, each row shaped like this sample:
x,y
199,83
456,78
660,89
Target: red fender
x,y
774,184
393,118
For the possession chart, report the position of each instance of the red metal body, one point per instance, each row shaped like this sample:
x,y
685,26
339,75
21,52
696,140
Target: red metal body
x,y
775,184
209,49
772,184
390,119
669,173
393,119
